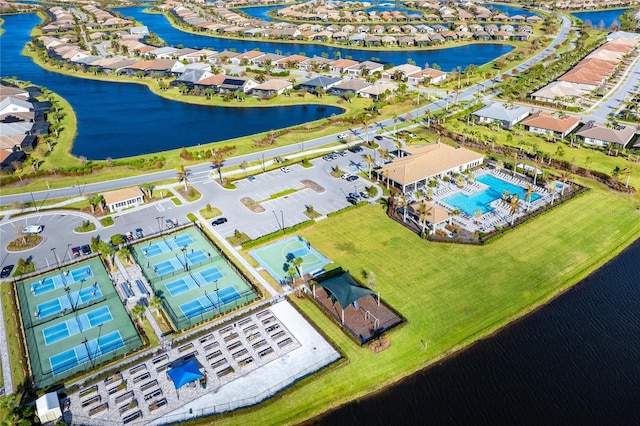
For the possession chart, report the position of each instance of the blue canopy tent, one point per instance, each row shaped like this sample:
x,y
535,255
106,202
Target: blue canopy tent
x,y
186,373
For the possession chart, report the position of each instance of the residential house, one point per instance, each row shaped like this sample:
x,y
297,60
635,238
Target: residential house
x,y
400,72
341,65
430,75
378,91
545,123
499,113
321,82
599,134
364,68
349,86
271,87
233,84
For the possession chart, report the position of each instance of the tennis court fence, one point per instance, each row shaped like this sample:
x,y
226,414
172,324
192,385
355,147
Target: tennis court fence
x,y
181,322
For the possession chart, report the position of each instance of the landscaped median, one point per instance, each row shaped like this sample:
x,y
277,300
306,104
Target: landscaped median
x,y
451,295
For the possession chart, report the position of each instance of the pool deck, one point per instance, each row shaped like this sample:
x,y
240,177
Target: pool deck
x,y
500,213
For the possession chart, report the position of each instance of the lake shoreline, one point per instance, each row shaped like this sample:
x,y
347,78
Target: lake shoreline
x,y
461,349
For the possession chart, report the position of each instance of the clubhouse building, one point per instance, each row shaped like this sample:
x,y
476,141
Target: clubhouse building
x,y
417,165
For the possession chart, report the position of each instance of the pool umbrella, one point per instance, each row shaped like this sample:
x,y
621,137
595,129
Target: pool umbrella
x,y
186,373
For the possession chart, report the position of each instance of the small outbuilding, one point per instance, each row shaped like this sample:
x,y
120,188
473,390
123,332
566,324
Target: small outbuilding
x,y
48,407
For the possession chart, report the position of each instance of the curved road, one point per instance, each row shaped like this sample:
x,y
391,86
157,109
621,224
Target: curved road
x,y
268,155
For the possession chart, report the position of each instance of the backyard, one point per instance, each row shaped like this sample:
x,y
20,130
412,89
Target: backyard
x,y
446,305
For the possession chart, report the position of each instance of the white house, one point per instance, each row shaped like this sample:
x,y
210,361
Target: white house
x,y
502,114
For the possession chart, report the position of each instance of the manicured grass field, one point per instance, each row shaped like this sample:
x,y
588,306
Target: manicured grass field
x,y
451,294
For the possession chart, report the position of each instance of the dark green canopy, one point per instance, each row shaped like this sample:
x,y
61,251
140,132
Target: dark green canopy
x,y
345,289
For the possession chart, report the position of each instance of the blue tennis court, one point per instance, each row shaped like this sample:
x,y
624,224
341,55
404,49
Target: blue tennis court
x,y
82,273
85,352
167,267
196,257
48,284
187,283
57,305
210,275
73,326
155,249
210,301
62,280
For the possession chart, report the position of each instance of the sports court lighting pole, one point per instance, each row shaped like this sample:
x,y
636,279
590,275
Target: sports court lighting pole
x,y
86,348
184,255
217,297
282,216
66,253
277,220
53,249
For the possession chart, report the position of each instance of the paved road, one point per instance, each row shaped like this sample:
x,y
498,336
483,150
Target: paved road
x,y
611,103
269,155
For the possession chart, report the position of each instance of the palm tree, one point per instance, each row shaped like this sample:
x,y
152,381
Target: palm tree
x,y
514,202
398,144
423,212
155,303
370,161
551,189
137,312
565,175
527,197
536,164
387,204
147,189
217,159
404,203
182,174
297,263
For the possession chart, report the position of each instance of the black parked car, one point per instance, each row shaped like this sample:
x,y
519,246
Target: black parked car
x,y
6,271
219,221
139,233
355,148
86,250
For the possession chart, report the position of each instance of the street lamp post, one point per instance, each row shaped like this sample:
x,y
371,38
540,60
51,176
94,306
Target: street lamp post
x,y
160,219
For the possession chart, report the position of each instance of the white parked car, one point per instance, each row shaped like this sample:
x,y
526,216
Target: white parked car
x,y
32,229
285,169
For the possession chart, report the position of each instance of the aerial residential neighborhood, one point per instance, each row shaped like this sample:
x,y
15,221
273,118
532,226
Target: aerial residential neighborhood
x,y
267,212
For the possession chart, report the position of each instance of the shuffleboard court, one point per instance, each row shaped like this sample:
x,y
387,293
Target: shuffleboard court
x,y
277,258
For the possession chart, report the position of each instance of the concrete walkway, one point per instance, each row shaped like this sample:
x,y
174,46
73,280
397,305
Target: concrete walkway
x,y
4,356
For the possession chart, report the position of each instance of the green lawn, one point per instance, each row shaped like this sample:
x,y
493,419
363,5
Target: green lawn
x,y
450,294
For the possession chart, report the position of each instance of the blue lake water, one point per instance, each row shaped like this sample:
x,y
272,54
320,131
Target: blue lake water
x,y
511,10
600,19
448,58
262,12
120,120
573,362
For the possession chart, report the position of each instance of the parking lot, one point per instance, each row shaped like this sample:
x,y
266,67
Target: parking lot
x,y
298,188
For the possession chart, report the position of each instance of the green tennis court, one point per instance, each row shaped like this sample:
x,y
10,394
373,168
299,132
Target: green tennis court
x,y
75,326
277,258
193,280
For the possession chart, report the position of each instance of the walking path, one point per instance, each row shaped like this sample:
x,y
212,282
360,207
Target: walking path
x,y
4,357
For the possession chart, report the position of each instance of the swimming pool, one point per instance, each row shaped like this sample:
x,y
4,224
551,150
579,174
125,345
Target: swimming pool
x,y
469,204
